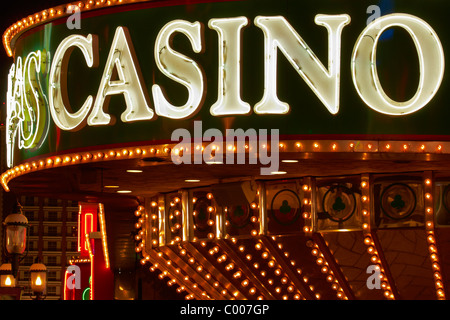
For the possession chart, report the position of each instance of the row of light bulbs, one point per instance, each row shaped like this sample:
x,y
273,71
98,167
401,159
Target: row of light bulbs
x,y
53,13
431,240
271,264
140,225
326,270
372,246
201,271
299,271
168,270
76,261
307,207
80,158
142,216
364,147
235,272
308,229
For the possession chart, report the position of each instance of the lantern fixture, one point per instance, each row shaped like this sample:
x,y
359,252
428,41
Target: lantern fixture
x,y
16,225
7,279
38,279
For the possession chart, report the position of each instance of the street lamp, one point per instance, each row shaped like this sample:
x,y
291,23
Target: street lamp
x,y
16,238
7,280
38,279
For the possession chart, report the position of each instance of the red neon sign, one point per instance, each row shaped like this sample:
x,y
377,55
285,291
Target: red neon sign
x,y
93,262
87,223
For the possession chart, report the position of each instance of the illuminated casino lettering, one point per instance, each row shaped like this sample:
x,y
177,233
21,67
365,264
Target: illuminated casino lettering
x,y
229,100
58,102
129,84
280,34
431,63
180,69
27,103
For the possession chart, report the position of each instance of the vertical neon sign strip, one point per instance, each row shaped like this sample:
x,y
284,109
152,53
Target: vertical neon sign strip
x,y
101,216
91,256
87,223
88,228
79,228
66,274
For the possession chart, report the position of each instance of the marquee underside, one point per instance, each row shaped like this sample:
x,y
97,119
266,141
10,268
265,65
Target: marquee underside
x,y
269,258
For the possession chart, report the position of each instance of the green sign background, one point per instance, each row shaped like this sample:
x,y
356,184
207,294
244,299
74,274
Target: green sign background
x,y
308,118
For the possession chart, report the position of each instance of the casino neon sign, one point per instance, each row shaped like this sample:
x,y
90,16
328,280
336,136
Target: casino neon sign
x,y
28,119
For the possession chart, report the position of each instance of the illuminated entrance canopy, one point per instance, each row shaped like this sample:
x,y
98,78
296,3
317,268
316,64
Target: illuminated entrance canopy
x,y
28,119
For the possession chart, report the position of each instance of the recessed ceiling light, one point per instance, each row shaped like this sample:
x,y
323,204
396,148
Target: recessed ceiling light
x,y
124,191
213,162
111,187
278,172
134,171
289,161
191,180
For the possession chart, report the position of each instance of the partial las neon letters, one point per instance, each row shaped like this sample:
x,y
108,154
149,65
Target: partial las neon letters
x,y
14,103
26,116
34,123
